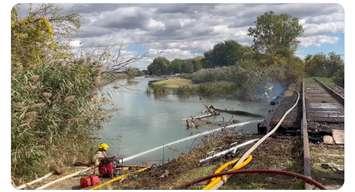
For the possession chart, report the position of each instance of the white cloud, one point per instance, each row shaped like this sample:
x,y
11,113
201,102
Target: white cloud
x,y
302,21
187,30
221,29
322,28
186,21
171,53
155,25
330,17
317,40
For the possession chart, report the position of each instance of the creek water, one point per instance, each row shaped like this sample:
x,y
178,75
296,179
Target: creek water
x,y
143,121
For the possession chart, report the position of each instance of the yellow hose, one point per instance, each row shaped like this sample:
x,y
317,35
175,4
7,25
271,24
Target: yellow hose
x,y
223,167
118,178
217,180
216,183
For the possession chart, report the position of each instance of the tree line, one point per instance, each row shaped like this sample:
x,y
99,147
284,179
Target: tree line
x,y
272,54
274,41
328,65
223,54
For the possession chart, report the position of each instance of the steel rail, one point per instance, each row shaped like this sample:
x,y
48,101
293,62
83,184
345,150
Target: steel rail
x,y
331,91
305,140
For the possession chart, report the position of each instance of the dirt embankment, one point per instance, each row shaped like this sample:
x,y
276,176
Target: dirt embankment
x,y
278,152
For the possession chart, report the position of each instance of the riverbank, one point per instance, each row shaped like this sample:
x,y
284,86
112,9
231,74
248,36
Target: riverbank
x,y
285,152
185,87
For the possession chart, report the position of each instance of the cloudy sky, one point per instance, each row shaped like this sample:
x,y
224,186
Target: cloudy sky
x,y
185,31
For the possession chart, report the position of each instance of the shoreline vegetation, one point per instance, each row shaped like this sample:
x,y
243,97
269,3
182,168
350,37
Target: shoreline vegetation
x,y
54,108
185,87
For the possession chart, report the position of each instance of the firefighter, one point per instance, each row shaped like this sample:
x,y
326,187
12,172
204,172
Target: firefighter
x,y
101,153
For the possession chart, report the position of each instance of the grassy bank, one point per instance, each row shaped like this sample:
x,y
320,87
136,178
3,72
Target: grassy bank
x,y
227,81
172,83
217,88
186,87
327,81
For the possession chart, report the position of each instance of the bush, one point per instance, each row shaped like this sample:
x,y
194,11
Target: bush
x,y
214,74
339,76
219,88
54,110
52,107
322,65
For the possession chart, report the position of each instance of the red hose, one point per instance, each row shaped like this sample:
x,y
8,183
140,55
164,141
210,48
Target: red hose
x,y
250,171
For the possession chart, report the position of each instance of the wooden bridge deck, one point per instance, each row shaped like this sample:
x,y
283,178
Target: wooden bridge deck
x,y
325,112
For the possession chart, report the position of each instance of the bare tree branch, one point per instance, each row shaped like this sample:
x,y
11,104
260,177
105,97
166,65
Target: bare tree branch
x,y
113,58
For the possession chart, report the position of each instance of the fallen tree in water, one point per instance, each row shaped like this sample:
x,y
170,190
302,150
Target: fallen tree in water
x,y
241,113
234,112
211,111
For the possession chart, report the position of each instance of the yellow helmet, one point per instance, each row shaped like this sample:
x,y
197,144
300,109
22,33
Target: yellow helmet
x,y
103,146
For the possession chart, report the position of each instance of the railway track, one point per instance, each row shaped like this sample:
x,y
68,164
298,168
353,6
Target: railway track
x,y
322,131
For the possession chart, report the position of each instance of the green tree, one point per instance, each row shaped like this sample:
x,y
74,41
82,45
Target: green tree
x,y
33,39
314,64
275,34
197,62
159,66
187,66
323,65
339,76
175,66
225,53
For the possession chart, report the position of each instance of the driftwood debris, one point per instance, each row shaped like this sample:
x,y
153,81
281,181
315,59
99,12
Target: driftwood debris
x,y
213,109
241,113
196,121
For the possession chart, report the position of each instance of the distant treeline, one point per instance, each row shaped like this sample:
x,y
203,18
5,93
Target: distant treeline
x,y
271,57
223,54
271,54
322,65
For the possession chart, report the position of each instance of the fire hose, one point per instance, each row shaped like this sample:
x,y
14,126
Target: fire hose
x,y
220,182
253,171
